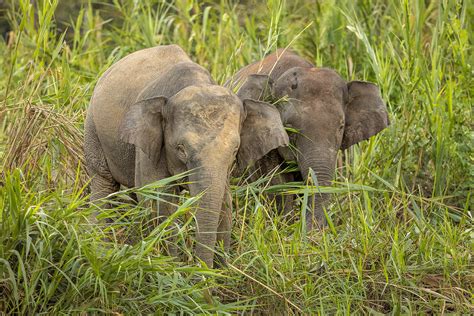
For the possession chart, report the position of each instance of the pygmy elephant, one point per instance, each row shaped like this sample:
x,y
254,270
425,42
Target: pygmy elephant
x,y
155,114
328,112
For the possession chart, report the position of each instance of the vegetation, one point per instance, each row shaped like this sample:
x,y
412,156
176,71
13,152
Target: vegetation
x,y
400,238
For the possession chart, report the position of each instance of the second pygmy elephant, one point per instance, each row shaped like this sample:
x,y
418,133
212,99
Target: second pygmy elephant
x,y
329,113
155,114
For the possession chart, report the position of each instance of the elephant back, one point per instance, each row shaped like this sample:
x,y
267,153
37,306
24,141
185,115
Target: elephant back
x,y
273,65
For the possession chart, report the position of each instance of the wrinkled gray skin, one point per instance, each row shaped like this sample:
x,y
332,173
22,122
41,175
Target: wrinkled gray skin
x,y
330,113
154,114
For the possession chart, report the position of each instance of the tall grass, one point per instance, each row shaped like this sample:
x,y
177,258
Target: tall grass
x,y
400,236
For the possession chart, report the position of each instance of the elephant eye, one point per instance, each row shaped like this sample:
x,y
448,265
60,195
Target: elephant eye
x,y
341,127
181,151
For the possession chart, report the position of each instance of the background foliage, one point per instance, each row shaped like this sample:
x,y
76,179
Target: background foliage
x,y
400,238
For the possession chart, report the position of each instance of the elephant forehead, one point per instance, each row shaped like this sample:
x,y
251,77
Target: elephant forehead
x,y
318,76
205,116
328,110
206,107
198,135
322,88
203,93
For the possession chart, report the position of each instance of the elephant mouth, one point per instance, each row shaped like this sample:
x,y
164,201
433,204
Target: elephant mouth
x,y
183,189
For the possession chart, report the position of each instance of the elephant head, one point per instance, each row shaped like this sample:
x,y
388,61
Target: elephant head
x,y
330,114
198,129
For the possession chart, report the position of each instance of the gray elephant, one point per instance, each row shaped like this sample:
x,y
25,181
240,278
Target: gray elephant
x,y
154,114
329,113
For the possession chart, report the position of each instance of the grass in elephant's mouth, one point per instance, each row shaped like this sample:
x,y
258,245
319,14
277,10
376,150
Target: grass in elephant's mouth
x,y
400,233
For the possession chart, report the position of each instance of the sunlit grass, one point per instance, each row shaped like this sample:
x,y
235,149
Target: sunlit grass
x,y
400,224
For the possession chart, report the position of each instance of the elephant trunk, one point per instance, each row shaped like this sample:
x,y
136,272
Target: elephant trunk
x,y
323,166
213,184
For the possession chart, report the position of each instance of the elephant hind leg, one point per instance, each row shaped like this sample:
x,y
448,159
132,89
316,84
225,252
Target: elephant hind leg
x,y
102,181
102,186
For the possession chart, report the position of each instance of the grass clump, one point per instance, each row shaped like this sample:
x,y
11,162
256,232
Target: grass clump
x,y
54,260
400,234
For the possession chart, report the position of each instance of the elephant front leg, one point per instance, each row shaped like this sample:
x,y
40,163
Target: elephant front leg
x,y
101,187
164,210
145,173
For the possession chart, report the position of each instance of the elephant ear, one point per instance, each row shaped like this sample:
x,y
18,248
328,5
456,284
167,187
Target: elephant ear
x,y
256,87
366,113
141,126
262,131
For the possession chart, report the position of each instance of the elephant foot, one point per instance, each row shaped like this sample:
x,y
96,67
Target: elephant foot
x,y
220,261
314,222
172,248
